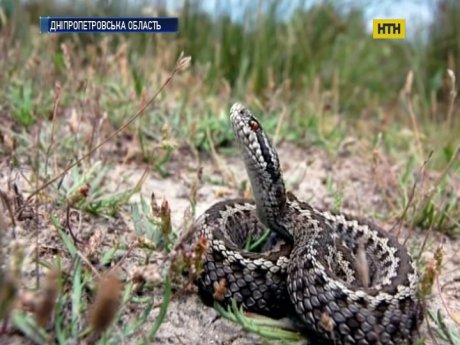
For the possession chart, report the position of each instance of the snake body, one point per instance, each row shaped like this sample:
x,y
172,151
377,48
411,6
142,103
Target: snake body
x,y
348,280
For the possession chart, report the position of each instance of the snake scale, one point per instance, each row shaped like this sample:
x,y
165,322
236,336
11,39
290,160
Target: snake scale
x,y
347,280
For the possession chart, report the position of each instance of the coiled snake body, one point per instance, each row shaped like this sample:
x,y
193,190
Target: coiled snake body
x,y
349,281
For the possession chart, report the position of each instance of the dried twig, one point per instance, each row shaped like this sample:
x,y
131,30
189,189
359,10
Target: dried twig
x,y
452,96
57,97
421,175
181,64
407,92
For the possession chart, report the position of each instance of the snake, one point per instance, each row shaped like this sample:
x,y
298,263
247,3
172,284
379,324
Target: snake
x,y
346,279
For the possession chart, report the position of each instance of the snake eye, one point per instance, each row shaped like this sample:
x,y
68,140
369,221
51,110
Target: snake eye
x,y
254,125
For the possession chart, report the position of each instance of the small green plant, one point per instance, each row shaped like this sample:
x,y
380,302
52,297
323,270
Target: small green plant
x,y
442,216
336,192
254,244
431,203
264,326
27,325
138,81
21,101
87,191
153,224
443,330
106,298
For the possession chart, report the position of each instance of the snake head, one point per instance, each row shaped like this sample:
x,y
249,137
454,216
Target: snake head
x,y
243,118
260,157
252,140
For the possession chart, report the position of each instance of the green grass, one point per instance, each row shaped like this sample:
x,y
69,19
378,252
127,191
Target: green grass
x,y
76,295
266,327
449,334
87,191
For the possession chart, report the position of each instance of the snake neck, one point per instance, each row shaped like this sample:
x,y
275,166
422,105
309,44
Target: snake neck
x,y
269,195
263,168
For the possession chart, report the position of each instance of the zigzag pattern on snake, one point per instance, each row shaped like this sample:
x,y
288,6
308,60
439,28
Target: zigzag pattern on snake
x,y
323,266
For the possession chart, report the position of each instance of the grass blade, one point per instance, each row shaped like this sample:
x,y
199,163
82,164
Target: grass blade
x,y
27,325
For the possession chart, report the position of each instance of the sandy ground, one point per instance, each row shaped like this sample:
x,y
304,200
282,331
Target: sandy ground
x,y
308,173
